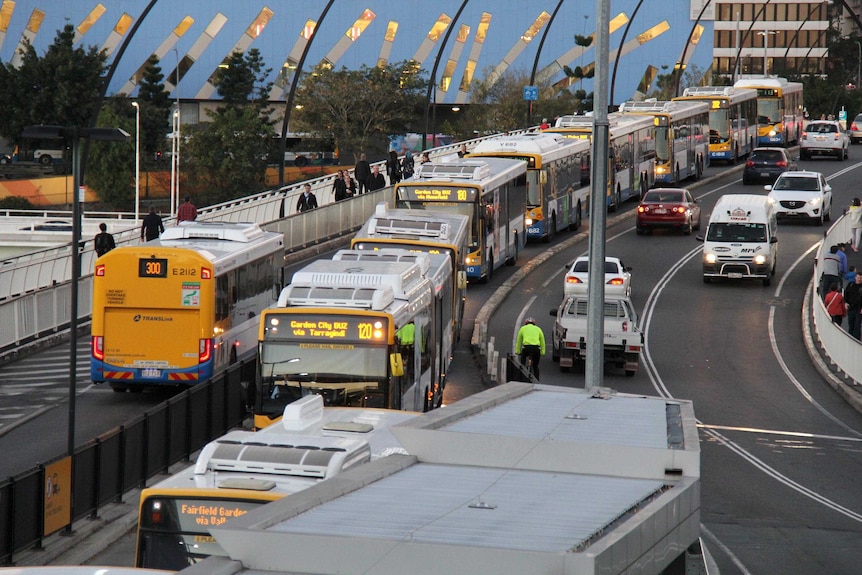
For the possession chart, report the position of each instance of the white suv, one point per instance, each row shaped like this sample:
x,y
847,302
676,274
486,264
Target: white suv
x,y
799,195
824,138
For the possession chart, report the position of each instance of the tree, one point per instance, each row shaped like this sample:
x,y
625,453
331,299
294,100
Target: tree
x,y
111,165
61,88
227,157
155,109
357,108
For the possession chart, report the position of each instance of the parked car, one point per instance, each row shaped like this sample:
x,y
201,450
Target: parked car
x,y
855,131
802,195
672,208
767,164
618,277
824,138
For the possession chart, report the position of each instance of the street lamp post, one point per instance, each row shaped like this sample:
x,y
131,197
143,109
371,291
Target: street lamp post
x,y
766,34
178,157
73,135
137,160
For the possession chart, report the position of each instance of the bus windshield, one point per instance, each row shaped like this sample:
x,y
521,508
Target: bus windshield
x,y
534,188
768,111
719,126
736,232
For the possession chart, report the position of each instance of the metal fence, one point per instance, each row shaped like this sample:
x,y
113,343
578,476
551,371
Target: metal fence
x,y
125,457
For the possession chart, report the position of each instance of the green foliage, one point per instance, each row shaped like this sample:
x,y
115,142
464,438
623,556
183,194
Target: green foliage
x,y
61,88
583,41
226,158
155,109
111,165
15,203
360,108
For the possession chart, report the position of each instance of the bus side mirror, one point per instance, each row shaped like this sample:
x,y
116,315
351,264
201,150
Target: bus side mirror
x,y
462,280
396,364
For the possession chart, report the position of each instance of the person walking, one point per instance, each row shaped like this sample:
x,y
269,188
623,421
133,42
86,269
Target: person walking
x,y
151,226
831,271
187,212
406,163
376,181
463,151
339,187
530,343
854,214
103,242
393,168
362,172
853,299
835,305
307,201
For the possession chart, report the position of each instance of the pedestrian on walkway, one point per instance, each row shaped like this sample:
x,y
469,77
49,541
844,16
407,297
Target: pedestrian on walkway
x,y
835,306
376,181
393,168
853,299
187,212
854,215
151,226
831,271
103,242
307,201
362,172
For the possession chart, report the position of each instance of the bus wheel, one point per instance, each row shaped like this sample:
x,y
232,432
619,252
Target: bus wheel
x,y
232,355
698,170
514,259
576,221
490,273
551,230
119,388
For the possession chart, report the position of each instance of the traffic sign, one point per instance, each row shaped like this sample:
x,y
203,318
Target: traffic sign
x,y
531,93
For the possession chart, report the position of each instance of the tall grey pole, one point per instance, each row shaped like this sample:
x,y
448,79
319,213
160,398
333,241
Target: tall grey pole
x,y
76,274
598,204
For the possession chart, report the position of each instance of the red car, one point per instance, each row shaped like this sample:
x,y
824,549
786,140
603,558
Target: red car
x,y
668,208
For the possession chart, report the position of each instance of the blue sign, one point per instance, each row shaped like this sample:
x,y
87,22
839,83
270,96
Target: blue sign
x,y
531,93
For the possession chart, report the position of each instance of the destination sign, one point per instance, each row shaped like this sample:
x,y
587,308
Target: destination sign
x,y
437,193
153,267
327,328
767,92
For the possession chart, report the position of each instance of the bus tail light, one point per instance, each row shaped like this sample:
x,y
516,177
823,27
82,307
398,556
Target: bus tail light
x,y
206,350
99,271
206,274
98,345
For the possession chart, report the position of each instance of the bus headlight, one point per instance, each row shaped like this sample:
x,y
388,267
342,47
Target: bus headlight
x,y
772,133
528,222
709,258
760,260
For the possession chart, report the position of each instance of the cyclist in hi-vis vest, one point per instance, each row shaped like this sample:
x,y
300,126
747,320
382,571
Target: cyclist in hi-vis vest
x,y
531,343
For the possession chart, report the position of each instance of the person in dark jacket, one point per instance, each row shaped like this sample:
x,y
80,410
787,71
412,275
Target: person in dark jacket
x,y
151,226
362,172
339,187
376,181
307,201
103,242
393,168
853,299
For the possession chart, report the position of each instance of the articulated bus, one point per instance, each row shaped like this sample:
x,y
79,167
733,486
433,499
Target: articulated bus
x,y
359,331
492,192
422,231
558,178
779,110
178,309
732,119
243,470
631,157
681,138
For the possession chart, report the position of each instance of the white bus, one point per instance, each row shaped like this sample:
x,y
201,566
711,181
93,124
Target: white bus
x,y
732,119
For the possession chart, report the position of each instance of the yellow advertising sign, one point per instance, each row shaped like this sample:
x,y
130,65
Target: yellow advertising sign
x,y
58,495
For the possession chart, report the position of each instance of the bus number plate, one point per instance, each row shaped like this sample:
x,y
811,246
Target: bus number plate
x,y
151,372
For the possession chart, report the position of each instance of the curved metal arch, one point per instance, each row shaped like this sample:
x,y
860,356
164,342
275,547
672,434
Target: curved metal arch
x,y
799,29
620,49
294,82
536,59
433,81
687,41
744,37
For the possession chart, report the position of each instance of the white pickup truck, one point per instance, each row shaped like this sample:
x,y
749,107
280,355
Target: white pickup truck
x,y
623,341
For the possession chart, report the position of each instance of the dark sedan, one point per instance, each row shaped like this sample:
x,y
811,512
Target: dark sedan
x,y
668,208
766,164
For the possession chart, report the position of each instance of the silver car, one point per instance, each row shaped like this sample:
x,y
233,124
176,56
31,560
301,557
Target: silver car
x,y
824,138
855,130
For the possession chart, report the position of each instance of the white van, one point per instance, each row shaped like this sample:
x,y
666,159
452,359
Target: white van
x,y
741,239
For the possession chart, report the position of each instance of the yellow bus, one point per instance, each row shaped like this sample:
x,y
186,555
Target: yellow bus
x,y
363,329
681,138
243,470
779,110
558,178
631,153
427,232
489,191
732,119
176,310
